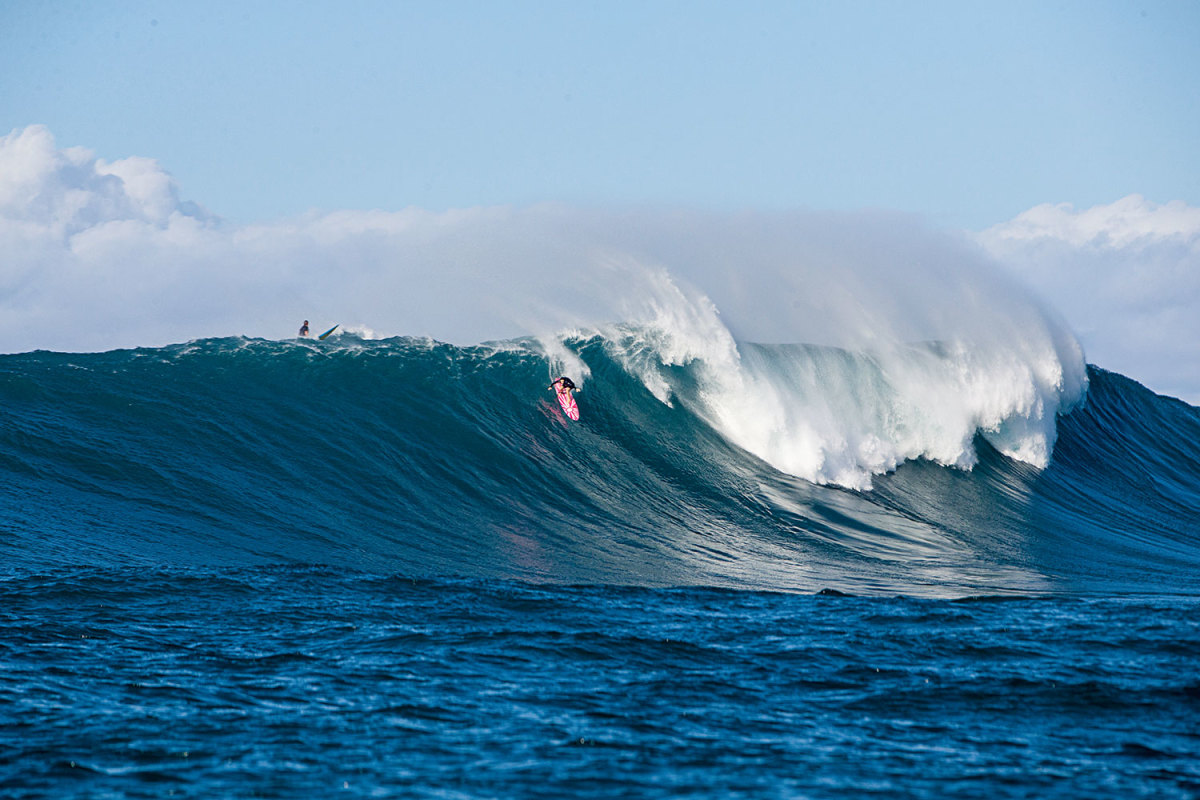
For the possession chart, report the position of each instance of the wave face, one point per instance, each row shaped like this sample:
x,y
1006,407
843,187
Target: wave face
x,y
802,468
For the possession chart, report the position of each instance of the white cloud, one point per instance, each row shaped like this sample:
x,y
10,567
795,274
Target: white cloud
x,y
101,254
67,191
1128,222
1127,278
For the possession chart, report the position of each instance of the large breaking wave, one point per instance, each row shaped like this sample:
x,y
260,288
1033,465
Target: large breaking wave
x,y
422,458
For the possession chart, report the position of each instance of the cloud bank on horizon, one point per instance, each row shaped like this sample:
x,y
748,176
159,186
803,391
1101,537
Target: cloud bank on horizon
x,y
102,254
1126,276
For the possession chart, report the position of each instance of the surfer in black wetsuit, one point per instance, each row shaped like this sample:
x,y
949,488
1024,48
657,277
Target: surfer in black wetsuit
x,y
304,328
564,387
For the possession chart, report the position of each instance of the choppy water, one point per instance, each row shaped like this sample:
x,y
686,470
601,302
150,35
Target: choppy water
x,y
285,682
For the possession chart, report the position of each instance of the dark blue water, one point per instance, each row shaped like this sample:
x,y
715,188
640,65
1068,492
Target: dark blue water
x,y
236,569
305,682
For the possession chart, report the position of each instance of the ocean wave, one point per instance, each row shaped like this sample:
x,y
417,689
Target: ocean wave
x,y
428,459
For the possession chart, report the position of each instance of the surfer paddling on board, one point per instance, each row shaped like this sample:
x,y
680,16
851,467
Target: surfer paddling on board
x,y
563,388
304,329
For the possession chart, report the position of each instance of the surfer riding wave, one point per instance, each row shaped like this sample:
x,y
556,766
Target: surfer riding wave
x,y
563,387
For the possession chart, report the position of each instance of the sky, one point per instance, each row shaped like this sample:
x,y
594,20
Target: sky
x,y
1062,140
970,113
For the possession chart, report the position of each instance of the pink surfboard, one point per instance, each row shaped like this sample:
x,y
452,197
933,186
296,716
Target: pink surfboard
x,y
569,406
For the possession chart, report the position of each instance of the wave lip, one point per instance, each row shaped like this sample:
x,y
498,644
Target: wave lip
x,y
833,416
843,414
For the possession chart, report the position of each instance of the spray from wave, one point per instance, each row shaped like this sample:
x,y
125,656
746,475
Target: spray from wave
x,y
900,344
904,342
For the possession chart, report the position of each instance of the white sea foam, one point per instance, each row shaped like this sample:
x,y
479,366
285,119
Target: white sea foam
x,y
835,416
996,364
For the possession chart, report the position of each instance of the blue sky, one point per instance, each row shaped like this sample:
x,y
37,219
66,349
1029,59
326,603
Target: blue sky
x,y
966,113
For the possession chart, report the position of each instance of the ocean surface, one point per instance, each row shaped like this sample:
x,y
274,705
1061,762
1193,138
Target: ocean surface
x,y
392,568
